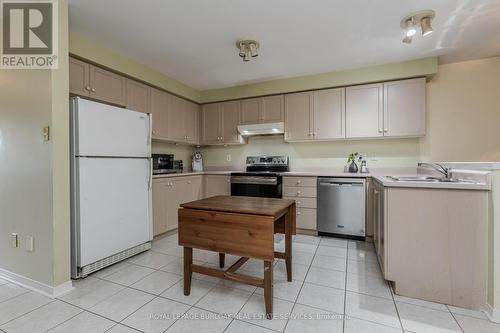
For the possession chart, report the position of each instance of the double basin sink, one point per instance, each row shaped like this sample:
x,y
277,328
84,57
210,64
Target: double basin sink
x,y
426,179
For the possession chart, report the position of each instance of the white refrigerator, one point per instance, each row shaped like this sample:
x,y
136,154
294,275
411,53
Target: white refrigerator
x,y
110,185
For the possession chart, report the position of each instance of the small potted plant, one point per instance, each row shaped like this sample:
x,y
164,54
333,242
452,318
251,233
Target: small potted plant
x,y
351,161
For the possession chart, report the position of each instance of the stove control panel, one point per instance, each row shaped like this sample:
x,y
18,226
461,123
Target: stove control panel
x,y
267,160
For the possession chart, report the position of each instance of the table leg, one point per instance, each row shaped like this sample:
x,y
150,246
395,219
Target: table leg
x,y
222,260
268,288
188,272
288,243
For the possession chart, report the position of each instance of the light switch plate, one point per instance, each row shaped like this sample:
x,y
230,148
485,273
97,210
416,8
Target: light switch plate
x,y
46,133
13,240
30,244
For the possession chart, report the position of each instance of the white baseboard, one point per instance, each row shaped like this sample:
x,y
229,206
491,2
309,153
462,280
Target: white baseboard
x,y
45,289
492,313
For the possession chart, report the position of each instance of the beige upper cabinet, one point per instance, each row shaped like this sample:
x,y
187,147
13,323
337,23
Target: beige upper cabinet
x,y
211,124
273,109
298,116
191,122
79,80
251,110
262,110
107,86
220,123
364,111
160,102
329,114
176,123
230,113
138,96
404,108
97,83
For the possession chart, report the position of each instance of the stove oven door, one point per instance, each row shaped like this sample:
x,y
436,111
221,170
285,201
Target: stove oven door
x,y
255,186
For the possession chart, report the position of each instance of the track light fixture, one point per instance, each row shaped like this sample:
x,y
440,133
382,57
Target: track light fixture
x,y
410,22
248,49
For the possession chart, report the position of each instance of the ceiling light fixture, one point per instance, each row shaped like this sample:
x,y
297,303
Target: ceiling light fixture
x,y
248,49
409,24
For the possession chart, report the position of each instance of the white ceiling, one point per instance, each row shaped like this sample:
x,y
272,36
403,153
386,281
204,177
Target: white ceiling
x,y
193,41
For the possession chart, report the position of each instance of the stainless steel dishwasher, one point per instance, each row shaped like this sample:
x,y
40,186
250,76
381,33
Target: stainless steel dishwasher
x,y
341,207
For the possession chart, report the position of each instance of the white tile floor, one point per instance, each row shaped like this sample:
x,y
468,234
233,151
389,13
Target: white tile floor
x,y
332,277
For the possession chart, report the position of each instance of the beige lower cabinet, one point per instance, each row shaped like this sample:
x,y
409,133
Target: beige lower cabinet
x,y
432,243
168,194
303,191
216,185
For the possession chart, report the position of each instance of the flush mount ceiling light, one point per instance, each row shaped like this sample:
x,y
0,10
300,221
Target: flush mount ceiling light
x,y
410,22
248,49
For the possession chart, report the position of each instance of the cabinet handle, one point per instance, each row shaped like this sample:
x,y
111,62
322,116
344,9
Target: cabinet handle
x,y
298,202
298,181
189,182
298,213
93,89
298,192
87,88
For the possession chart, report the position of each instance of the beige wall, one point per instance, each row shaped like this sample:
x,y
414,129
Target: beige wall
x,y
463,112
318,155
34,195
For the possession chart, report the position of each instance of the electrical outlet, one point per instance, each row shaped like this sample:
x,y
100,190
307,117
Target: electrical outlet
x,y
13,240
228,157
30,244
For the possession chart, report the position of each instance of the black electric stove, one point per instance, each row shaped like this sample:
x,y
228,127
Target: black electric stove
x,y
262,177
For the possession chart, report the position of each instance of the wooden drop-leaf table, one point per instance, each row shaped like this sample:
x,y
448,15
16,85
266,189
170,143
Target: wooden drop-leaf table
x,y
242,226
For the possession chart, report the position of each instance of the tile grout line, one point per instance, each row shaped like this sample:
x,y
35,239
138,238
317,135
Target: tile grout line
x,y
24,314
304,281
396,307
8,299
345,287
79,313
454,318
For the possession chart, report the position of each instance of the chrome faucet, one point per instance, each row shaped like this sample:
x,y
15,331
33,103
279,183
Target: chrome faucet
x,y
438,167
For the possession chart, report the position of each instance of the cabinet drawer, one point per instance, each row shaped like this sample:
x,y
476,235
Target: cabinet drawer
x,y
304,202
300,181
294,191
306,218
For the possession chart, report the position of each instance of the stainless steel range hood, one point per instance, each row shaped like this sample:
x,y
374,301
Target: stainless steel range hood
x,y
262,129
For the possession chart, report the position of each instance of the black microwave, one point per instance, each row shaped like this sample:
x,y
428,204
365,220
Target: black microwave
x,y
162,161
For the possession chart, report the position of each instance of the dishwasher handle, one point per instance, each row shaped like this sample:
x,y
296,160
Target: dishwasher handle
x,y
343,184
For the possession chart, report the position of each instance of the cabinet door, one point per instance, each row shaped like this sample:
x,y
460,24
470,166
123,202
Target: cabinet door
x,y
273,109
138,96
298,114
107,86
404,108
176,119
159,109
329,114
210,118
217,185
191,121
79,83
194,189
230,113
251,112
364,111
160,192
176,196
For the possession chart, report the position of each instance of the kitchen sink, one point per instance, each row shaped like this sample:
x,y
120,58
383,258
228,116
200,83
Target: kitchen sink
x,y
425,179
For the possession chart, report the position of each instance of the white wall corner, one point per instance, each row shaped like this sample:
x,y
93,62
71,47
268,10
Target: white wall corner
x,y
42,288
492,313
